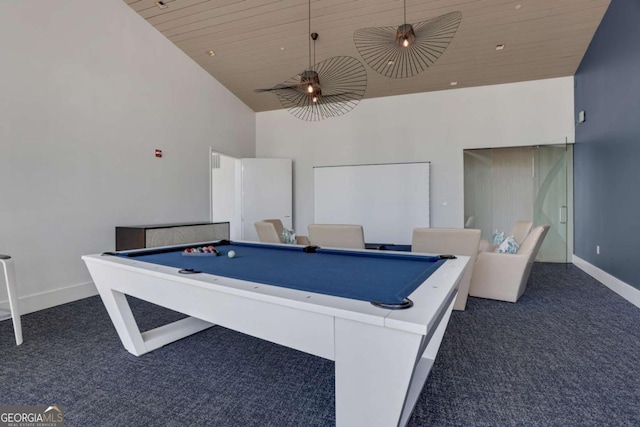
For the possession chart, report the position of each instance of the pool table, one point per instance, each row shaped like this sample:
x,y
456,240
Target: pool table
x,y
379,315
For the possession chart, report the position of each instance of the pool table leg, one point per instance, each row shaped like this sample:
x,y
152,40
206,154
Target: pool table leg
x,y
118,308
374,368
380,372
138,343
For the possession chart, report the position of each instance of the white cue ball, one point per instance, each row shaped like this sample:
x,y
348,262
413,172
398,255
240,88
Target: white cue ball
x,y
231,254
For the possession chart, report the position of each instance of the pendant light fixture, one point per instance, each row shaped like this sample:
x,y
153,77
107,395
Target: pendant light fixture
x,y
330,88
408,49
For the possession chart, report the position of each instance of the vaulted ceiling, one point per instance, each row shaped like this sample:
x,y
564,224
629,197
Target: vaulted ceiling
x,y
260,43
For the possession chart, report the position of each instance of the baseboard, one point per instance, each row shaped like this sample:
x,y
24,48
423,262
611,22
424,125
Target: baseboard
x,y
43,300
623,289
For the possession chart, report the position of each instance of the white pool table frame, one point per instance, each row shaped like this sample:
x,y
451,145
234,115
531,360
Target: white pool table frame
x,y
382,357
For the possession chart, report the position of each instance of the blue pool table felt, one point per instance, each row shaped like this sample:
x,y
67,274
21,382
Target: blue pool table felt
x,y
367,276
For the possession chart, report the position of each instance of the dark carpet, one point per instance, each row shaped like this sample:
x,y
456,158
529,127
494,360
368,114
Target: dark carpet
x,y
567,354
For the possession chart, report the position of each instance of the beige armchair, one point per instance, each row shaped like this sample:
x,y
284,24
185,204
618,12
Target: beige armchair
x,y
270,231
504,276
456,241
337,235
520,231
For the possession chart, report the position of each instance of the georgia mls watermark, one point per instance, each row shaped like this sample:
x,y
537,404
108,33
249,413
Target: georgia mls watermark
x,y
31,416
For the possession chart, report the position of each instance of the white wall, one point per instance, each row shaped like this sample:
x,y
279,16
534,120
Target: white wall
x,y
88,91
433,127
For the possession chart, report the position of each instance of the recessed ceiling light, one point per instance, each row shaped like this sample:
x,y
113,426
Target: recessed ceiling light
x,y
390,62
500,47
454,83
282,48
518,6
211,53
161,4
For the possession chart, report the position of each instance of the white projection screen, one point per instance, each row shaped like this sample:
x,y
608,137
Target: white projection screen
x,y
388,200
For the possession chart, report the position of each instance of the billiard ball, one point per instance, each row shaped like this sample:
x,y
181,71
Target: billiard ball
x,y
231,254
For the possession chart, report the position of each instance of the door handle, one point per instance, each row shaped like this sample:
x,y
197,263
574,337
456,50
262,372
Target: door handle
x,y
563,214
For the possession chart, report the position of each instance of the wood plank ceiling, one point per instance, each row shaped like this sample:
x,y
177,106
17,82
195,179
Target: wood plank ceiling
x,y
260,43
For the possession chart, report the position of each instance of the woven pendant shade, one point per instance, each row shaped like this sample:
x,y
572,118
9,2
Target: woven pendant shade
x,y
409,49
326,89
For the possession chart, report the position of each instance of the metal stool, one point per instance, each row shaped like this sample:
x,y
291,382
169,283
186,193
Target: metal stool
x,y
10,278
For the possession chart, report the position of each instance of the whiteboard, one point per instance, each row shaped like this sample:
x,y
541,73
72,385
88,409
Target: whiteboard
x,y
388,200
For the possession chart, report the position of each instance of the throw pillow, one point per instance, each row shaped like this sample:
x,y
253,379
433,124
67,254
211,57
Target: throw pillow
x,y
288,236
496,238
509,246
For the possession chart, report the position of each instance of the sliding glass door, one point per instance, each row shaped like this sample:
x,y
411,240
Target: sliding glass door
x,y
551,167
505,185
